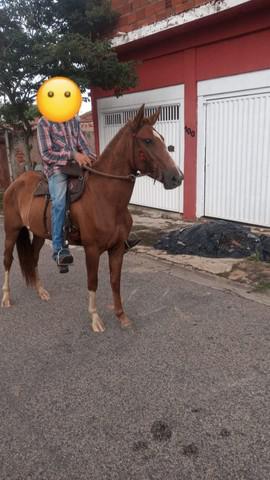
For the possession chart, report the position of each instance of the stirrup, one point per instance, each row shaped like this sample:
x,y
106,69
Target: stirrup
x,y
63,257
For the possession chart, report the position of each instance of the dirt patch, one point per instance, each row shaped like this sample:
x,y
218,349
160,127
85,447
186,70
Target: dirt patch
x,y
225,433
136,211
140,445
190,450
252,272
161,431
154,213
148,236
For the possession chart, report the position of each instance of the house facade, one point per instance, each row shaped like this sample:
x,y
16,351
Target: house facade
x,y
207,64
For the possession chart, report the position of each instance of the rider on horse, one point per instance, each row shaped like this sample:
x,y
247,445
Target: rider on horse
x,y
60,143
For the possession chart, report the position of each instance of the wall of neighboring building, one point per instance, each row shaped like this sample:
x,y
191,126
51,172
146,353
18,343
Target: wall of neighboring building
x,y
87,126
138,13
17,145
35,155
17,152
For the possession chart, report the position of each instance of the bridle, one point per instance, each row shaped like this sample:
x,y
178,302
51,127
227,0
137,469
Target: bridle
x,y
131,177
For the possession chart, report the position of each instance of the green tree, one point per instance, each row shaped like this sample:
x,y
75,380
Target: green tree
x,y
43,38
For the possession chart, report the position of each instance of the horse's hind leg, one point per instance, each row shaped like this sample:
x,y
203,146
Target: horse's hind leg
x,y
115,263
38,243
10,241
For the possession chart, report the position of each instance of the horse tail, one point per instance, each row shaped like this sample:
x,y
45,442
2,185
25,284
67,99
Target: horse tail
x,y
26,256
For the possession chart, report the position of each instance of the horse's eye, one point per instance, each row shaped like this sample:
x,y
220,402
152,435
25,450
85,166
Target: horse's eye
x,y
148,141
67,94
50,94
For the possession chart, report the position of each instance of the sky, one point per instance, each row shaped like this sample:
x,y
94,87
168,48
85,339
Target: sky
x,y
86,106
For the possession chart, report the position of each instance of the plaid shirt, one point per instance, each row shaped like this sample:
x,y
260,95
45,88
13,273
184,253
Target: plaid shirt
x,y
58,141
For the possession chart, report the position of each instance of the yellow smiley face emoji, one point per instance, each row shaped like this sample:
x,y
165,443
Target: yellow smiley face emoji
x,y
59,99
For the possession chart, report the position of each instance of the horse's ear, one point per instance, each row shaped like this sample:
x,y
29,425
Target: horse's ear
x,y
153,118
138,120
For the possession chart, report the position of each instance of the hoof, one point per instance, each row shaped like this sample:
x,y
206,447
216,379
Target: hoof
x,y
125,322
43,294
6,302
97,324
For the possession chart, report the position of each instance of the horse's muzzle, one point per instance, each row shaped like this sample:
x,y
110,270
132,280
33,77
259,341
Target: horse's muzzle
x,y
172,179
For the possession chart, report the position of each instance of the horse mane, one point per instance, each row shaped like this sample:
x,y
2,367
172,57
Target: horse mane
x,y
107,150
115,140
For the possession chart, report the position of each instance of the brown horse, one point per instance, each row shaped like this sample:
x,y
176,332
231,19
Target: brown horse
x,y
101,215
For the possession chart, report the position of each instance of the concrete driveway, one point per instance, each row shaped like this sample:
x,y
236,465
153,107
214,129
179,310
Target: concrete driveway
x,y
184,396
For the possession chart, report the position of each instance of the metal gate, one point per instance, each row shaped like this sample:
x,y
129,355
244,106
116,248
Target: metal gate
x,y
237,153
233,167
170,125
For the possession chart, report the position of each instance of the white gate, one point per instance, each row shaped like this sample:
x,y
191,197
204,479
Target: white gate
x,y
234,147
113,115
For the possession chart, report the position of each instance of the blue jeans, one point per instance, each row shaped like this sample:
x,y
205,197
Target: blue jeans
x,y
58,189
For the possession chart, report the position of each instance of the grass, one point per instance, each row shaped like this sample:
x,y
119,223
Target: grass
x,y
262,286
255,257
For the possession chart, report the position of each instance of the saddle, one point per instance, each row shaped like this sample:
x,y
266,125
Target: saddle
x,y
76,183
75,188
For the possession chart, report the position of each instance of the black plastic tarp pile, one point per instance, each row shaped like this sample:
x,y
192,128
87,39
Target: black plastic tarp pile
x,y
216,239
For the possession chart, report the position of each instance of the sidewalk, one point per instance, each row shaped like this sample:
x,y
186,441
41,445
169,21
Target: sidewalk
x,y
150,224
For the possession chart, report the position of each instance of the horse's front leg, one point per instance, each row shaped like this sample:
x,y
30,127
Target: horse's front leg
x,y
115,261
92,263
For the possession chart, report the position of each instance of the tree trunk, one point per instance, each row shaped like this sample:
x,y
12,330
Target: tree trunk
x,y
28,147
10,166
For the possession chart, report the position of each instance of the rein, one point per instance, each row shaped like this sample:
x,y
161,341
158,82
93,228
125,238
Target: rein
x,y
131,177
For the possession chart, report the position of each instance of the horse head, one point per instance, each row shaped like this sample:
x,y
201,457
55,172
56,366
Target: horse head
x,y
151,156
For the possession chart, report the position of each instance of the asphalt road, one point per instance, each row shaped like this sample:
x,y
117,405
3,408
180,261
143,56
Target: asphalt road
x,y
183,396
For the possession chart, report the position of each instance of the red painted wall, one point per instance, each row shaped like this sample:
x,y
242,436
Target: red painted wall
x,y
237,55
224,45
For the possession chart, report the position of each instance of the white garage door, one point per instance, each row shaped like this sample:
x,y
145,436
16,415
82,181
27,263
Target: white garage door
x,y
235,150
114,113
